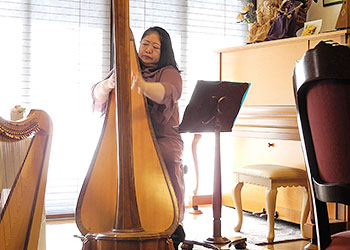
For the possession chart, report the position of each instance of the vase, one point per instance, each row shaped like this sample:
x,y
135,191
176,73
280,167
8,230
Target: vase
x,y
15,116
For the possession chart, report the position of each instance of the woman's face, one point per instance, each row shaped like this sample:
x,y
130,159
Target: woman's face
x,y
149,51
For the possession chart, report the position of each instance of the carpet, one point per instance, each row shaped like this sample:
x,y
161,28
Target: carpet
x,y
249,247
253,228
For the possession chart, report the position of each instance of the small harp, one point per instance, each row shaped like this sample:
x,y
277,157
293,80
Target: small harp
x,y
24,156
126,201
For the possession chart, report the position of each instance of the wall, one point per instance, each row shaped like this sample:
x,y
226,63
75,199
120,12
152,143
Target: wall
x,y
328,14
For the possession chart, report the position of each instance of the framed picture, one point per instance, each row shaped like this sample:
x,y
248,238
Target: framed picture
x,y
312,27
331,2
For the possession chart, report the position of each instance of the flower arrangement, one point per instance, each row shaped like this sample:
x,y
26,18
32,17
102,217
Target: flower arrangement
x,y
248,13
18,109
17,112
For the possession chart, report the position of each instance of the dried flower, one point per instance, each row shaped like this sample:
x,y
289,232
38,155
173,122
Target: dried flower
x,y
240,17
248,14
245,9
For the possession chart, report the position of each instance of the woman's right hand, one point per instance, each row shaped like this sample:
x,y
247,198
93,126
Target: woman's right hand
x,y
103,88
110,82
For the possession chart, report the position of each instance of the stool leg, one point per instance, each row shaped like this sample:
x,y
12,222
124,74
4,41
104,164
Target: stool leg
x,y
271,195
305,209
237,200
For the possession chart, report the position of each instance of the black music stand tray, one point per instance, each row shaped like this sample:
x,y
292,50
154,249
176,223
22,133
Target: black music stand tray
x,y
213,107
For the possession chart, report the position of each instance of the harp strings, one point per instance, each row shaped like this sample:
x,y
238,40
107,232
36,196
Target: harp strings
x,y
12,155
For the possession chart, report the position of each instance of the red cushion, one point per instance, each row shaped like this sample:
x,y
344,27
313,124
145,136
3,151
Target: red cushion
x,y
340,241
328,105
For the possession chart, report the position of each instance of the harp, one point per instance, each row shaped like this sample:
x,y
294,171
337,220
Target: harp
x,y
24,157
126,201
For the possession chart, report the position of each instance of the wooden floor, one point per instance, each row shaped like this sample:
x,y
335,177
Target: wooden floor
x,y
60,234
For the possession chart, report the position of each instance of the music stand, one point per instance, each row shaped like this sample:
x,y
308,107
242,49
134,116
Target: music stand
x,y
213,107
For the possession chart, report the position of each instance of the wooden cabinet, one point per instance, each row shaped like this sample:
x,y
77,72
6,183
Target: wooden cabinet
x,y
268,67
266,129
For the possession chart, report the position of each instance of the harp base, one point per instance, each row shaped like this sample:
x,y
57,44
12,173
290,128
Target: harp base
x,y
128,240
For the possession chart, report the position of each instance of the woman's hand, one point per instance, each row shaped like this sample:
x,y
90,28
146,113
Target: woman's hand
x,y
110,82
138,82
103,89
153,90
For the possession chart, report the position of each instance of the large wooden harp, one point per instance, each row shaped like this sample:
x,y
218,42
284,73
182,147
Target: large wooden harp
x,y
126,201
24,155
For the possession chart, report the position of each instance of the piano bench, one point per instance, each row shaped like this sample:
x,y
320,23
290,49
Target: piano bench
x,y
271,177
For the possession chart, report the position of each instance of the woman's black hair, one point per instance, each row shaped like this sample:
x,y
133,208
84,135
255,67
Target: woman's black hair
x,y
167,56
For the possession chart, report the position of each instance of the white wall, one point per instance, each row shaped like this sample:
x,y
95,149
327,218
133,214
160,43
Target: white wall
x,y
328,14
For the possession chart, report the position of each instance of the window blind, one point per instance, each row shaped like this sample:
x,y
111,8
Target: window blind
x,y
197,28
52,52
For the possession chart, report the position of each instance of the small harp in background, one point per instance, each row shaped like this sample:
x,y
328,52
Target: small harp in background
x,y
24,155
126,201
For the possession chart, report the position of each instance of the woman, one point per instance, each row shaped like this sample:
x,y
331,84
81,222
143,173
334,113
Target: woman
x,y
161,83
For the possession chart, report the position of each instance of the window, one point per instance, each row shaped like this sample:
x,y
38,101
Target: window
x,y
53,51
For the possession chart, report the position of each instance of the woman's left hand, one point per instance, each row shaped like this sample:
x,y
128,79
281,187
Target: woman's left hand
x,y
152,90
138,82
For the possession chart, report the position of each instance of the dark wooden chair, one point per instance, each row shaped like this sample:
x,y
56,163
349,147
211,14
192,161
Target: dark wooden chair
x,y
322,92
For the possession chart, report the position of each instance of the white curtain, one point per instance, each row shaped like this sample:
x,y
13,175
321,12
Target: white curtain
x,y
52,52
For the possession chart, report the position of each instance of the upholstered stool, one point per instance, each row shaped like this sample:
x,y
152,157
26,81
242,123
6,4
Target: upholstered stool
x,y
271,177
